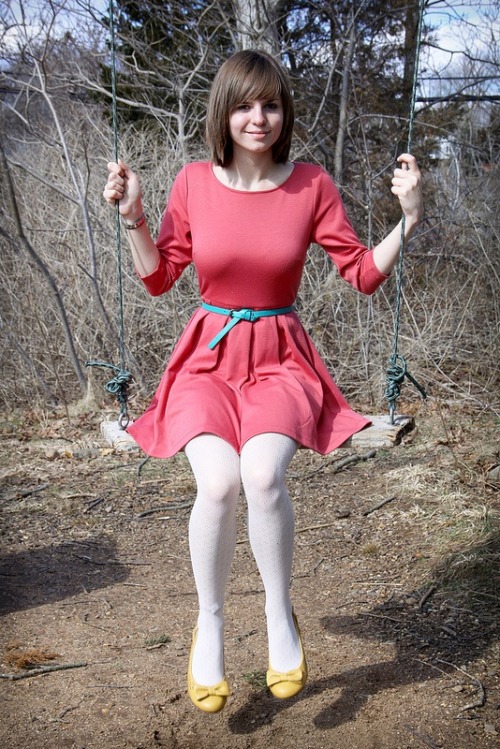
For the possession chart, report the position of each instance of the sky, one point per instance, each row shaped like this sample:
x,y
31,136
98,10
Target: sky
x,y
458,26
462,26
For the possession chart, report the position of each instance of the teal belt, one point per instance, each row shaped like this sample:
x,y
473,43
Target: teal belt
x,y
237,315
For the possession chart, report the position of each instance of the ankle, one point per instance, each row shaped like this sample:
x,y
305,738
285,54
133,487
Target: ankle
x,y
208,651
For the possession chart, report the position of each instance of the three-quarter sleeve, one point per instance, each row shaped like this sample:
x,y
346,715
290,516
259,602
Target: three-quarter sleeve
x,y
173,241
334,232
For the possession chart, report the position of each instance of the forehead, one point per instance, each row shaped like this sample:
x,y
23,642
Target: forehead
x,y
257,86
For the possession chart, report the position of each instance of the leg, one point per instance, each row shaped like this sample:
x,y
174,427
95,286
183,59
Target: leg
x,y
212,542
264,461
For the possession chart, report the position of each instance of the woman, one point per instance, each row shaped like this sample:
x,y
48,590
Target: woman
x,y
245,387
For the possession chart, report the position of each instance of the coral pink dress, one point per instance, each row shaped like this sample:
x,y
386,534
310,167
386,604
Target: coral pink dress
x,y
249,249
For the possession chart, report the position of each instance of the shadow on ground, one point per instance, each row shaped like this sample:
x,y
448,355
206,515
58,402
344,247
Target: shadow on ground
x,y
449,622
52,573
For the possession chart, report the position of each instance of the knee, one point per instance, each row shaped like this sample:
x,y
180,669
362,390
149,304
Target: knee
x,y
219,491
263,486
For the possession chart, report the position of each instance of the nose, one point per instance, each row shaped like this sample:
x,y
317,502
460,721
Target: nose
x,y
258,114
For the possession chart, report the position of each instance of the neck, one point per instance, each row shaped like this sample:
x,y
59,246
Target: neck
x,y
253,172
250,170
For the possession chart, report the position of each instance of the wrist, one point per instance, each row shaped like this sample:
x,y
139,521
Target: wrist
x,y
138,222
411,223
133,213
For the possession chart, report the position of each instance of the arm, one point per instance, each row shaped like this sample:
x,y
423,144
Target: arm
x,y
406,184
158,263
123,185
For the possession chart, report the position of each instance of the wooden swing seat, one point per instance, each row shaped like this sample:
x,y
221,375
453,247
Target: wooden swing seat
x,y
380,434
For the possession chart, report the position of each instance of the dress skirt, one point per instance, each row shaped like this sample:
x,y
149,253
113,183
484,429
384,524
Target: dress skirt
x,y
263,376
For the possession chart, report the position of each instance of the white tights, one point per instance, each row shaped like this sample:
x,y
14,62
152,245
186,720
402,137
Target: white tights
x,y
219,472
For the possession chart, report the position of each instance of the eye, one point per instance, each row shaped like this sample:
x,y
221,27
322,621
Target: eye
x,y
242,107
272,105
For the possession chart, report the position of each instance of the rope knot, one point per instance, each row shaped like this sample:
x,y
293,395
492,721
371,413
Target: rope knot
x,y
117,386
397,370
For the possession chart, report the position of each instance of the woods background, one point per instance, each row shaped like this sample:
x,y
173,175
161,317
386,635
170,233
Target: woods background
x,y
351,65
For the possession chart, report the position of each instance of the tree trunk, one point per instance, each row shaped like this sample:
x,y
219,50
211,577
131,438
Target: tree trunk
x,y
344,97
410,45
256,23
43,270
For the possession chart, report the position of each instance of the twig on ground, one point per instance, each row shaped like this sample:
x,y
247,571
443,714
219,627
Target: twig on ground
x,y
124,562
380,616
482,691
339,464
94,504
110,686
79,496
68,710
318,564
135,585
480,700
352,459
306,528
448,630
141,465
423,737
314,527
42,670
426,596
23,493
379,505
165,508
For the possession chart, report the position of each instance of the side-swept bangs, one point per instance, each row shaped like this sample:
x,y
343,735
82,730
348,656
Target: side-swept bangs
x,y
246,76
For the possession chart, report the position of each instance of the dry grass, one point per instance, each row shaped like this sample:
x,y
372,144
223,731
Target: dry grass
x,y
22,659
456,517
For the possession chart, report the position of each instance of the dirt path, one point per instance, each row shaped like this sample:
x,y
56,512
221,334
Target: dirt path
x,y
398,605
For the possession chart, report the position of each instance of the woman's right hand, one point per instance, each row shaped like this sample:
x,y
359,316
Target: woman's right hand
x,y
123,185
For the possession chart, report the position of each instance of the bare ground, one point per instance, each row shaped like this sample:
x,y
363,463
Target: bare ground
x,y
398,605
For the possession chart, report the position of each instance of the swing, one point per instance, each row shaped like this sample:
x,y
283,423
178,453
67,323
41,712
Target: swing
x,y
114,431
385,431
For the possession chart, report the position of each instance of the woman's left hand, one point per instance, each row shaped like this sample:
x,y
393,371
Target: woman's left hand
x,y
407,185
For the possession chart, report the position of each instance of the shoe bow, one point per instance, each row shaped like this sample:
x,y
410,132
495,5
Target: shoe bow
x,y
219,690
277,677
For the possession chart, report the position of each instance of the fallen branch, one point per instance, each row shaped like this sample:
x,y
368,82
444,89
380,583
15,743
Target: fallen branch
x,y
380,504
42,670
479,686
352,459
339,464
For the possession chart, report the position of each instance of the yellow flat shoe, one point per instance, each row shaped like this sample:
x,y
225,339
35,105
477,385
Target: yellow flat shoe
x,y
289,684
208,699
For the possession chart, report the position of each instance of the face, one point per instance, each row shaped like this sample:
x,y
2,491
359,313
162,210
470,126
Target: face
x,y
255,126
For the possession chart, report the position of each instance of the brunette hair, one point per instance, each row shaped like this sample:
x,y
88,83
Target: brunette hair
x,y
245,76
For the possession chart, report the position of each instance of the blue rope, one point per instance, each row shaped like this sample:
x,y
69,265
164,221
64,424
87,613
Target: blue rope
x,y
397,368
